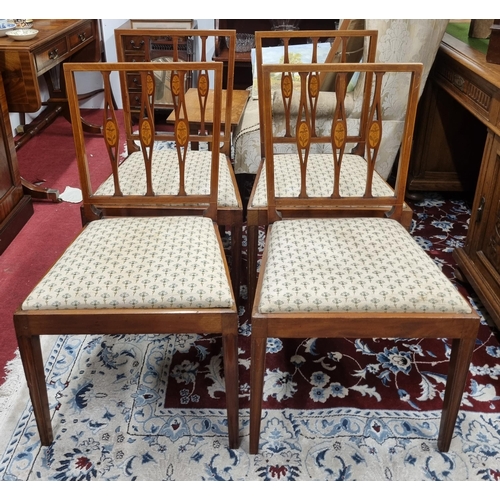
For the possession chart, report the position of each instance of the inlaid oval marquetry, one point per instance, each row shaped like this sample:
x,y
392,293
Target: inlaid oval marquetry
x,y
203,85
149,84
339,134
175,84
111,133
374,135
146,133
182,132
303,135
313,85
286,85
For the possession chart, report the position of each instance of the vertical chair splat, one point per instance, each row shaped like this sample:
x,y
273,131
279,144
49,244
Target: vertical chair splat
x,y
373,133
303,134
339,132
147,127
111,131
181,125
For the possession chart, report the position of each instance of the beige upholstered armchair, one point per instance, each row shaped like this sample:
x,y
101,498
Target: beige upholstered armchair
x,y
399,40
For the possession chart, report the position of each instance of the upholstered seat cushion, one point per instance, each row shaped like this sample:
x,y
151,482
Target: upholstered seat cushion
x,y
129,262
319,178
166,176
352,264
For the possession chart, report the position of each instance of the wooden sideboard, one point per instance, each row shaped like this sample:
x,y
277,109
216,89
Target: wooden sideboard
x,y
23,62
15,207
470,87
450,132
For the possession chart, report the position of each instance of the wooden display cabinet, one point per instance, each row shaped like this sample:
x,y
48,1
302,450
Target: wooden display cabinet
x,y
141,40
243,63
15,207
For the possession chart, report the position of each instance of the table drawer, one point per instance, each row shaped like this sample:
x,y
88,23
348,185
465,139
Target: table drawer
x,y
134,81
135,43
51,55
136,57
84,33
135,99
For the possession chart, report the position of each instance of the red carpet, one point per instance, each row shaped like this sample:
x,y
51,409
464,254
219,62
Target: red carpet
x,y
49,156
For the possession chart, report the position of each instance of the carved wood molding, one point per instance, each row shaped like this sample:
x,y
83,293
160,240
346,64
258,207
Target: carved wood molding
x,y
467,87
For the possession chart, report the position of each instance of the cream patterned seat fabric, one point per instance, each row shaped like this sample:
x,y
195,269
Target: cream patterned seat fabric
x,y
357,265
319,178
166,176
138,263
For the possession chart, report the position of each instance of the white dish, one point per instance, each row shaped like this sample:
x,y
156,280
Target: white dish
x,y
22,34
4,27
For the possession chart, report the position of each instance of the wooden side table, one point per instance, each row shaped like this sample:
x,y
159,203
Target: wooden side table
x,y
23,62
239,101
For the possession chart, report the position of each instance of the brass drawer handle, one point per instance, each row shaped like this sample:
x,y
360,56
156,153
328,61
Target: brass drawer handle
x,y
137,47
82,37
54,54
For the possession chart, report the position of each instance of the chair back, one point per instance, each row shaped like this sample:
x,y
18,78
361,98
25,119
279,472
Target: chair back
x,y
315,46
200,44
348,181
172,185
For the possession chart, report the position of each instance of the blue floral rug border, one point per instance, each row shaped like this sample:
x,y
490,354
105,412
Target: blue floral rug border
x,y
109,423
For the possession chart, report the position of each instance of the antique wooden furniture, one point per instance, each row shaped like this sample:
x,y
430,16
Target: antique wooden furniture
x,y
230,210
243,63
399,40
458,107
238,102
15,207
317,267
457,148
257,210
140,40
131,275
22,62
469,86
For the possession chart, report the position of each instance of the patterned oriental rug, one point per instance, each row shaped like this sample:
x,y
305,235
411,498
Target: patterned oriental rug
x,y
153,408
